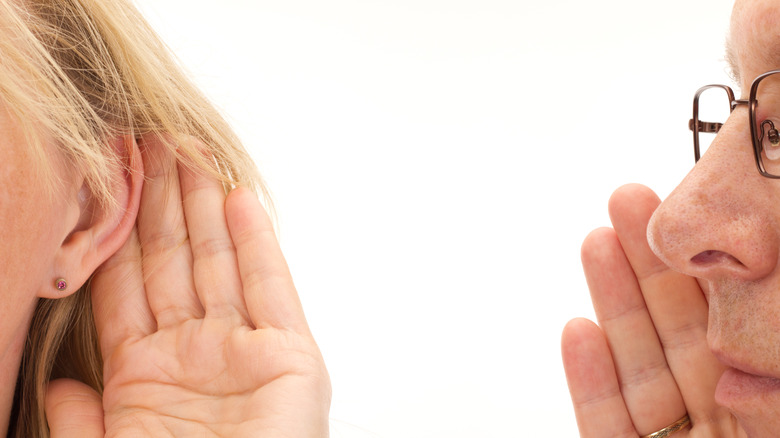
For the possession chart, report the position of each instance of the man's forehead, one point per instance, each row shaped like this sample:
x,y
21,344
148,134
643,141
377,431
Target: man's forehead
x,y
753,44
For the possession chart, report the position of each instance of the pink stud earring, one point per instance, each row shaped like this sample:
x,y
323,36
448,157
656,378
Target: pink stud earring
x,y
61,284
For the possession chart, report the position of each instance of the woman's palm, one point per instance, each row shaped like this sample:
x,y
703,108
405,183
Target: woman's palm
x,y
207,374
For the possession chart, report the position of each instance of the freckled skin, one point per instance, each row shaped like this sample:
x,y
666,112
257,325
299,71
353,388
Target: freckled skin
x,y
722,225
31,229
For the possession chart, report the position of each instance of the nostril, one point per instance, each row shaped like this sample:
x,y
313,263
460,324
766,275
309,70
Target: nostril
x,y
711,257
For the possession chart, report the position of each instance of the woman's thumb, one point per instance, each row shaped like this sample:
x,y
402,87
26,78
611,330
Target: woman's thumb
x,y
73,409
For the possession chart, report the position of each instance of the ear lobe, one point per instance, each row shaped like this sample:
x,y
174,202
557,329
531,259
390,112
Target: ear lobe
x,y
102,228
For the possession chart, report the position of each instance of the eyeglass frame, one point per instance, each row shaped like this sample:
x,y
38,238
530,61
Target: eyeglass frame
x,y
712,127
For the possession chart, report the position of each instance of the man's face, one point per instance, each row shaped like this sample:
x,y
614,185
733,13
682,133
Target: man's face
x,y
722,225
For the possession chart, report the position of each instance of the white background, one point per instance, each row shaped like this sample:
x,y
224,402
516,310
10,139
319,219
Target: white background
x,y
436,164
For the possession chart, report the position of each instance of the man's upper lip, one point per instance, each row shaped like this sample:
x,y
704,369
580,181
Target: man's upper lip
x,y
741,366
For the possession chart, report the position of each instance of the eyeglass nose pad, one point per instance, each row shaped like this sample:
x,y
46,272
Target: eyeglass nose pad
x,y
773,151
774,138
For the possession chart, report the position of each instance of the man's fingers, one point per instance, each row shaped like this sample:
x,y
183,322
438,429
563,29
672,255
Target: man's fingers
x,y
630,208
674,301
73,409
269,292
647,385
593,384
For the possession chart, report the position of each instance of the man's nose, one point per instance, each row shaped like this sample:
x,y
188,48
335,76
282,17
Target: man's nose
x,y
719,221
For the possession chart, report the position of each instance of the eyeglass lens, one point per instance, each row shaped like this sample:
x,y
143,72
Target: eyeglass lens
x,y
768,122
714,107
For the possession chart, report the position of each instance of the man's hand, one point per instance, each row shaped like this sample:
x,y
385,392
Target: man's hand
x,y
647,363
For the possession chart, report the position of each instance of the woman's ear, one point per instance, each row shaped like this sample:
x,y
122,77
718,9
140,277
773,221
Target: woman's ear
x,y
98,229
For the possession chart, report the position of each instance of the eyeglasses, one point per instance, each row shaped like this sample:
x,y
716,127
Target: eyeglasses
x,y
713,104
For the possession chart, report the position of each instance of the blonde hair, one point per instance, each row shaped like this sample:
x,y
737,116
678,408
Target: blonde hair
x,y
82,72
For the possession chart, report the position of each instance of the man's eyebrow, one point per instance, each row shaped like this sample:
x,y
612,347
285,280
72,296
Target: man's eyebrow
x,y
769,57
731,59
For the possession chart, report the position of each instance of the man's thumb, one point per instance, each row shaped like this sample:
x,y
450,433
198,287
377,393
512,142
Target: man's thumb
x,y
73,409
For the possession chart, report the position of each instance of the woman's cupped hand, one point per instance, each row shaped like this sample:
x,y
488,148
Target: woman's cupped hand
x,y
199,323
